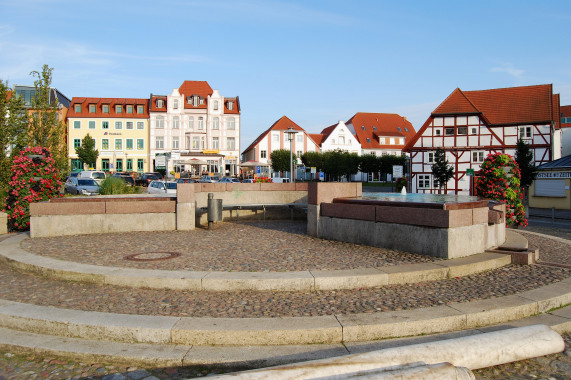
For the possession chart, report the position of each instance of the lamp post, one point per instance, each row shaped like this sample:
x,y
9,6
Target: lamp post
x,y
290,136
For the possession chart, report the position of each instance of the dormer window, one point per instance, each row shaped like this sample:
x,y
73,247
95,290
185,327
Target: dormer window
x,y
129,109
405,129
194,100
230,105
215,105
160,103
363,127
374,128
140,109
106,108
399,129
77,108
119,108
92,108
175,104
368,140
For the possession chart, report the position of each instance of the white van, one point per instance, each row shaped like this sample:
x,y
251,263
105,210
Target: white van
x,y
98,176
280,180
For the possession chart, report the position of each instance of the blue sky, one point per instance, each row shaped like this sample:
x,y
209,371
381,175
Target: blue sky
x,y
316,62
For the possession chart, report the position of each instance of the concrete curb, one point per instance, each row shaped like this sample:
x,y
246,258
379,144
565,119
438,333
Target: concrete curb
x,y
310,280
330,329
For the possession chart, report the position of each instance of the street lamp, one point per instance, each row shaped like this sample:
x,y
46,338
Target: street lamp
x,y
290,136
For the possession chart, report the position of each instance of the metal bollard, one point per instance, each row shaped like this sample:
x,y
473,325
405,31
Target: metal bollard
x,y
214,212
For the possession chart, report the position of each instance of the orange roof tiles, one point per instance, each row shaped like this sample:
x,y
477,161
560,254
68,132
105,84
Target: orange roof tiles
x,y
502,106
112,103
282,124
154,105
195,87
317,138
380,124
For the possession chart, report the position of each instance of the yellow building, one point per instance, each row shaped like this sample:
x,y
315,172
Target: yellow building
x,y
120,128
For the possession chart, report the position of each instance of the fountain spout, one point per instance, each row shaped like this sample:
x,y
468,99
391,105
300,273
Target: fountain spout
x,y
403,191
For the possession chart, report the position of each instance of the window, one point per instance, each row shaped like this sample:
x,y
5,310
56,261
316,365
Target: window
x,y
76,143
430,157
230,143
140,144
105,108
159,142
105,124
129,164
202,142
118,125
299,153
91,124
194,100
449,131
374,128
118,144
105,164
195,142
424,181
342,140
474,131
160,103
368,140
92,108
129,109
140,110
405,129
129,125
187,142
381,140
119,165
299,137
525,132
175,122
230,105
77,108
175,142
119,108
215,143
140,164
200,123
77,124
437,132
363,127
276,137
478,156
463,131
160,122
215,123
140,125
191,123
175,104
263,154
215,105
105,144
399,129
129,143
231,124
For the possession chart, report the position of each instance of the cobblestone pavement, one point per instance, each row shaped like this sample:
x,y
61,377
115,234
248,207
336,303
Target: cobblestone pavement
x,y
252,246
28,288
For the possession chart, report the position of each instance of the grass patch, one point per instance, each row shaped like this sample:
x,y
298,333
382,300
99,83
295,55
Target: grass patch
x,y
114,185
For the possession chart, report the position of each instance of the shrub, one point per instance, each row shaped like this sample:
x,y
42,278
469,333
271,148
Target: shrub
x,y
263,180
114,185
499,179
34,179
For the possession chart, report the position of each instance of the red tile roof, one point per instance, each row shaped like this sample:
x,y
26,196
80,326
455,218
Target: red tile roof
x,y
111,102
195,87
565,111
317,137
502,106
153,103
380,124
235,108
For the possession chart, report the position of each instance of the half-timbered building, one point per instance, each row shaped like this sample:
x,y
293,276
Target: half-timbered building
x,y
469,125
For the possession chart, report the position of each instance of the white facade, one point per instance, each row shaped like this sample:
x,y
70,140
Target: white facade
x,y
341,138
206,133
467,141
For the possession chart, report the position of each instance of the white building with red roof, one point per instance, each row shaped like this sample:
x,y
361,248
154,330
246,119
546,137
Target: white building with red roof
x,y
469,125
337,136
381,133
196,122
275,138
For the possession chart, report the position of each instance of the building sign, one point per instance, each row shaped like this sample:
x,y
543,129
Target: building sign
x,y
212,151
112,134
554,175
470,172
397,171
161,161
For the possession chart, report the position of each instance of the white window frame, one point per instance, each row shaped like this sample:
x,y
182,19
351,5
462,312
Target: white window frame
x,y
480,156
423,180
216,123
160,122
140,146
195,142
127,144
215,143
263,154
200,123
175,122
430,157
191,123
118,146
140,125
175,142
103,144
230,143
231,123
129,125
159,142
77,124
91,124
118,125
527,132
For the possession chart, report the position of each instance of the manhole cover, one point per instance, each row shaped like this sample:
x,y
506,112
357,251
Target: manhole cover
x,y
152,256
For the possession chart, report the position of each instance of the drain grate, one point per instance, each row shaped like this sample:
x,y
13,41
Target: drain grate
x,y
152,256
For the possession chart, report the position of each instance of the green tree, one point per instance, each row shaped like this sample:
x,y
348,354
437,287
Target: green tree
x,y
440,169
280,160
13,136
338,163
370,163
524,159
312,160
46,130
87,152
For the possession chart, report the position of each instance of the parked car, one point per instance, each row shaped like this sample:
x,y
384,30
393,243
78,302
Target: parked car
x,y
158,187
248,180
125,177
185,180
229,180
71,174
146,178
84,186
207,179
280,180
96,175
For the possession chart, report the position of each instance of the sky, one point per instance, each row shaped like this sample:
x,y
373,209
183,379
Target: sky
x,y
314,61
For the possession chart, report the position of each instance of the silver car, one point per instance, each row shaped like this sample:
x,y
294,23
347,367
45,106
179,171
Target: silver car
x,y
229,180
83,186
158,187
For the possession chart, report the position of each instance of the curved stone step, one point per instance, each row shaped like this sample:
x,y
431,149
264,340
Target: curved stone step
x,y
310,280
331,329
